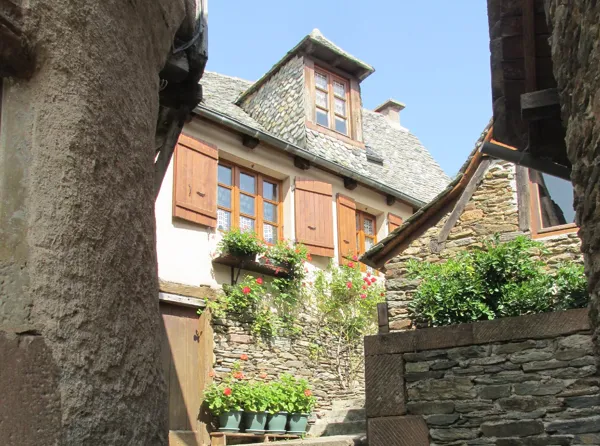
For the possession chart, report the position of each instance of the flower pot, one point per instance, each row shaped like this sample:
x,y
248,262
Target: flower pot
x,y
276,423
230,421
254,422
297,423
243,257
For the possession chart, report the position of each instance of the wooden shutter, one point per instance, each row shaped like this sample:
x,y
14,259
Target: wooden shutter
x,y
314,216
393,222
195,182
346,219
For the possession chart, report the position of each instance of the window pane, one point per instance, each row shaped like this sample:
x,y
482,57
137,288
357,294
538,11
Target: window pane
x,y
339,89
269,233
357,222
246,224
340,125
224,197
225,175
270,191
556,201
223,220
270,212
368,243
246,204
369,227
340,107
321,99
322,118
321,80
247,183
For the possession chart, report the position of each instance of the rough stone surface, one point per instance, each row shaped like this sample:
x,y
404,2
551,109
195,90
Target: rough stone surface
x,y
576,57
491,209
77,237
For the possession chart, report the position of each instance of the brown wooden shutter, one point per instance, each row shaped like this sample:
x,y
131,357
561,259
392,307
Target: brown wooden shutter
x,y
393,222
346,218
314,216
195,182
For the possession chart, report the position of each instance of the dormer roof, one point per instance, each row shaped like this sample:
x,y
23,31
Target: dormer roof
x,y
317,46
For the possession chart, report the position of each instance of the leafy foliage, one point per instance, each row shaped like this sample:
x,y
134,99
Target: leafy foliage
x,y
298,397
241,243
501,279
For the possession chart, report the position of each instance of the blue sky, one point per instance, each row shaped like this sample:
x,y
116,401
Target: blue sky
x,y
432,55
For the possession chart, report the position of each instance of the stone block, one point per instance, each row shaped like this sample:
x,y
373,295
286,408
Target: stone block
x,y
420,376
544,365
470,406
412,367
553,440
443,389
530,356
494,392
441,419
239,339
384,386
443,365
454,434
577,426
583,401
410,430
539,388
430,407
512,428
528,403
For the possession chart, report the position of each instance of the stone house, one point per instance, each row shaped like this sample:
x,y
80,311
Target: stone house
x,y
487,197
291,156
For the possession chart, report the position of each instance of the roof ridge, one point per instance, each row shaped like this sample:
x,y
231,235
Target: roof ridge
x,y
228,76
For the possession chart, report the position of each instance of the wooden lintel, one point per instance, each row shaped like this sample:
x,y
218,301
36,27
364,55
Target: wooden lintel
x,y
250,141
350,183
16,55
301,163
541,104
390,200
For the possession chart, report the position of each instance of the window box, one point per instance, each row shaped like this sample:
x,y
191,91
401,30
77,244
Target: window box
x,y
258,266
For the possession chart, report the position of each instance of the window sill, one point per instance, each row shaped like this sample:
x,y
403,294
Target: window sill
x,y
327,131
555,230
251,265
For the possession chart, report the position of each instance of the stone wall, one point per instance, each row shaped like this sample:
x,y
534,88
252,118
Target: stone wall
x,y
576,58
492,209
529,380
278,104
308,355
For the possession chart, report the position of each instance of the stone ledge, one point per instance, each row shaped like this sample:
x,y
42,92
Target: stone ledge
x,y
199,292
410,430
536,326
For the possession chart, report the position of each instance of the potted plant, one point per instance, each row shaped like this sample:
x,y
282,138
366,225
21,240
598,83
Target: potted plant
x,y
278,402
224,401
301,402
255,401
242,244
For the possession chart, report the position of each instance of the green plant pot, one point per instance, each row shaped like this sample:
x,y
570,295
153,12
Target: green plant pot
x,y
276,423
254,422
230,421
297,423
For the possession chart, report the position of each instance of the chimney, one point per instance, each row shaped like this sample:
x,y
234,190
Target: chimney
x,y
391,110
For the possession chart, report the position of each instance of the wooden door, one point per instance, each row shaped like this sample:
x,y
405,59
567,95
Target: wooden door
x,y
187,351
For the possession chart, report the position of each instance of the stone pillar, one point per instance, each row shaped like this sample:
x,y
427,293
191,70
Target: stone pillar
x,y
575,45
79,321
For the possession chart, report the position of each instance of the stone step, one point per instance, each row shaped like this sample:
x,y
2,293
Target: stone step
x,y
355,403
341,416
340,440
346,428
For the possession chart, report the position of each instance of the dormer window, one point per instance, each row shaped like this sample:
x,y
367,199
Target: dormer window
x,y
331,101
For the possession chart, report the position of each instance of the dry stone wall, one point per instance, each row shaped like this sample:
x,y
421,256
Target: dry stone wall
x,y
534,383
278,104
308,355
492,209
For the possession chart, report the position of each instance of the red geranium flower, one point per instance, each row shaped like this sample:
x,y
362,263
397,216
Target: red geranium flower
x,y
246,290
368,274
297,251
212,373
350,265
307,392
259,281
238,375
382,294
267,261
373,279
227,391
308,257
363,296
366,279
349,284
364,287
244,357
355,258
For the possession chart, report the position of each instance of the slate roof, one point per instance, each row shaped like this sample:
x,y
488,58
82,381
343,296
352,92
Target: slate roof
x,y
407,166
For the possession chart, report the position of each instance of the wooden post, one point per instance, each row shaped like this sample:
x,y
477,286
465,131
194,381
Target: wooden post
x,y
382,318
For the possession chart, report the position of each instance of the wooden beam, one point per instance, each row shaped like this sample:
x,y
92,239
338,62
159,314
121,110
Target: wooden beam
x,y
463,200
541,104
301,163
250,141
166,152
176,69
527,160
390,200
382,318
529,45
522,177
350,184
16,55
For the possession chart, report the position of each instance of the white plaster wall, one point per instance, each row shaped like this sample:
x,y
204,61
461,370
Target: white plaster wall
x,y
185,249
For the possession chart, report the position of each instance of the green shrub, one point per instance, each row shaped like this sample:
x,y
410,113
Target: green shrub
x,y
240,243
498,280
